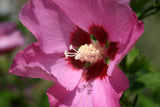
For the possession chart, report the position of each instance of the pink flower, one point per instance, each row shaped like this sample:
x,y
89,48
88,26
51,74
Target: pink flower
x,y
85,71
10,37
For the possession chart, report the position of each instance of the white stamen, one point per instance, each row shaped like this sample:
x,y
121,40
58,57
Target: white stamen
x,y
65,53
70,54
71,47
88,52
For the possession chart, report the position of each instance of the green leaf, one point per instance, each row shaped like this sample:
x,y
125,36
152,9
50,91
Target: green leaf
x,y
136,86
150,79
5,98
135,100
137,5
4,63
131,56
145,101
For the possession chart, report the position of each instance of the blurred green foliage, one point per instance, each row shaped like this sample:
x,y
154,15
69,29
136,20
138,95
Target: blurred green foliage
x,y
144,81
145,8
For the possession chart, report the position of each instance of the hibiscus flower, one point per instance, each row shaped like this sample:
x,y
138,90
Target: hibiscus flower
x,y
10,37
80,43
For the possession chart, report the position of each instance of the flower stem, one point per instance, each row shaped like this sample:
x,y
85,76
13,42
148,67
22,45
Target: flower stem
x,y
150,10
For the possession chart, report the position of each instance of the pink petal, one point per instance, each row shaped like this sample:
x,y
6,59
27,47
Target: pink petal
x,y
6,27
119,81
32,62
57,93
48,24
107,92
60,97
25,64
127,43
104,95
66,74
95,93
114,17
124,1
10,37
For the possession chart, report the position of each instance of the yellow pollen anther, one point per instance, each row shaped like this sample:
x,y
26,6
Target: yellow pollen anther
x,y
88,52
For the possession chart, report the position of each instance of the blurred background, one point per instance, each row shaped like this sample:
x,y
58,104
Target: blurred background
x,y
141,65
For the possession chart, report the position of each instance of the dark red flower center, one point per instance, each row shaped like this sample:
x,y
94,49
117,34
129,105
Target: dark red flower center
x,y
92,53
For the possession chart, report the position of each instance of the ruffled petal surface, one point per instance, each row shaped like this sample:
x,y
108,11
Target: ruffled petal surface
x,y
10,37
115,17
32,62
95,93
127,43
48,23
60,97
